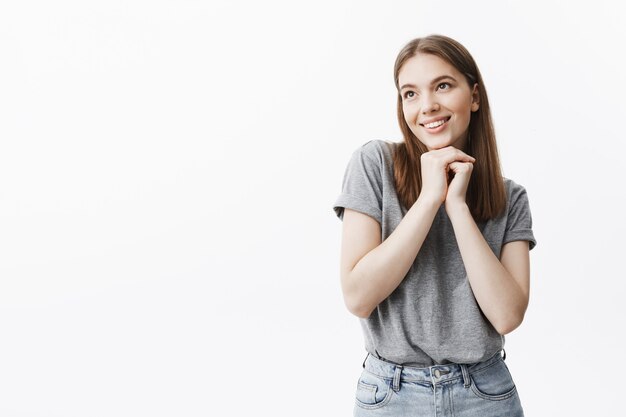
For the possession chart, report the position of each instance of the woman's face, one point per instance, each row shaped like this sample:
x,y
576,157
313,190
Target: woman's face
x,y
434,92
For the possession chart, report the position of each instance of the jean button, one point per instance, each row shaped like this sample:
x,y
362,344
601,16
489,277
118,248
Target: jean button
x,y
437,373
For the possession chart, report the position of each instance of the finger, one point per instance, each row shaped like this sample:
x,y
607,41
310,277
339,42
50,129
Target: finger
x,y
454,166
451,153
460,166
463,156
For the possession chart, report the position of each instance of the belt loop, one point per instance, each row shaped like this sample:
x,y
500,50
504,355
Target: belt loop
x,y
504,357
366,356
466,377
396,378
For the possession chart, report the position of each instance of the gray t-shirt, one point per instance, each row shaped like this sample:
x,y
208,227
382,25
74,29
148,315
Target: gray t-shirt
x,y
432,317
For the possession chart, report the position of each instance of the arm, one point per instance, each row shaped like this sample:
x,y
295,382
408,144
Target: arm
x,y
370,269
501,287
368,279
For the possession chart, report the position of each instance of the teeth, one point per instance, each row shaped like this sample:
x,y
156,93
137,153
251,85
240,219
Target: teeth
x,y
435,124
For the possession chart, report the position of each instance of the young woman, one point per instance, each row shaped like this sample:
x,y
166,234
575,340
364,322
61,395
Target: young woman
x,y
435,247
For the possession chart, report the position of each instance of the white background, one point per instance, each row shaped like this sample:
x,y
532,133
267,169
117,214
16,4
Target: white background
x,y
167,175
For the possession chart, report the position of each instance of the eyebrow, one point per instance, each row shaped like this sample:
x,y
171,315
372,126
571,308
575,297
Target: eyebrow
x,y
441,77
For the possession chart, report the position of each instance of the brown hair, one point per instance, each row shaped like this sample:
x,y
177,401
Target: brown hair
x,y
486,194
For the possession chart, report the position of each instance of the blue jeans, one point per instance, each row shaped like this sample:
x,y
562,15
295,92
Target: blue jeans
x,y
482,389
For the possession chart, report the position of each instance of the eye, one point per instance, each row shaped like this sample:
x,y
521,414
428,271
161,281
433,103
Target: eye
x,y
406,95
446,84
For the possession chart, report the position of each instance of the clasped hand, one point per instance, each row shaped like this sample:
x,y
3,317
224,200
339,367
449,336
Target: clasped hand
x,y
445,176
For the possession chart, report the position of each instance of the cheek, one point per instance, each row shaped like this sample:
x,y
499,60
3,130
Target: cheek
x,y
457,100
409,114
462,121
463,112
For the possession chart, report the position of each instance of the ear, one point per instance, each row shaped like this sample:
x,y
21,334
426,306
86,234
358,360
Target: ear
x,y
475,98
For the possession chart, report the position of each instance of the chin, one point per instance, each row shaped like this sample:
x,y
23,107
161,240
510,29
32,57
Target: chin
x,y
439,144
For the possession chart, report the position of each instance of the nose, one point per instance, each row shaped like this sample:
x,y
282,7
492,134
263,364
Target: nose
x,y
429,104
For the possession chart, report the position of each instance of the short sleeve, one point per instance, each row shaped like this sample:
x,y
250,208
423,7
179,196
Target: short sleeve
x,y
362,186
519,224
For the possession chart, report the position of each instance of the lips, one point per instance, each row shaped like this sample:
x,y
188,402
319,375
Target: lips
x,y
435,123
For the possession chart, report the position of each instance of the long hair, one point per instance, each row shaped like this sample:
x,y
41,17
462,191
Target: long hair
x,y
486,194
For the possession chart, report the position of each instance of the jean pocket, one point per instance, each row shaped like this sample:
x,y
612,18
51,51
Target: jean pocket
x,y
372,391
493,383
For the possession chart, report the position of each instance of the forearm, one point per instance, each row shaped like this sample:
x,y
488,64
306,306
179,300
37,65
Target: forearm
x,y
500,298
380,272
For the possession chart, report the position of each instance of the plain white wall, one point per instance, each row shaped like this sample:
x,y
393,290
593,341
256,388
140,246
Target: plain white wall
x,y
167,175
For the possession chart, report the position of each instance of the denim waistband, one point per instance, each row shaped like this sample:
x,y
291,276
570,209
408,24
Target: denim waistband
x,y
434,374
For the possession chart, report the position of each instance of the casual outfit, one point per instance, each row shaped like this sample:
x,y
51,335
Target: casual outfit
x,y
484,389
431,321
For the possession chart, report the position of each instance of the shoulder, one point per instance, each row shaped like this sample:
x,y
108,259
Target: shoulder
x,y
377,150
515,191
513,187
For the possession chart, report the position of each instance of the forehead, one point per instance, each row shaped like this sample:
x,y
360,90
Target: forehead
x,y
421,69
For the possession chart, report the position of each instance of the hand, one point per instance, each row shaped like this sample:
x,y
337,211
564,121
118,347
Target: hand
x,y
457,188
434,168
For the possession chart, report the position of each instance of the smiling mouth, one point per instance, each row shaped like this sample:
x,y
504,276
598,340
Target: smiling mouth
x,y
436,124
